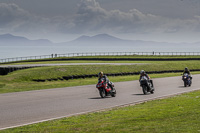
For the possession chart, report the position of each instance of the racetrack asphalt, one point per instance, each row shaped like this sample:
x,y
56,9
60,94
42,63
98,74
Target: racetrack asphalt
x,y
23,108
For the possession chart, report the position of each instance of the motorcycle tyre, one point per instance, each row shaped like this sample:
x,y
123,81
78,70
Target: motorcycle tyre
x,y
185,84
102,93
113,94
144,88
152,91
190,83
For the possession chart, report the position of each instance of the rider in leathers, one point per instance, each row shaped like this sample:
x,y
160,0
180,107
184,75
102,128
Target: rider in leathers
x,y
186,70
105,78
143,73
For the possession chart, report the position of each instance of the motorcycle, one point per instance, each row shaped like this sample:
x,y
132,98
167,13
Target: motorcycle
x,y
105,89
147,85
187,79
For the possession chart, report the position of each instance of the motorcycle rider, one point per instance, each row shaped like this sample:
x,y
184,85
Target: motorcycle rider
x,y
186,70
105,78
143,73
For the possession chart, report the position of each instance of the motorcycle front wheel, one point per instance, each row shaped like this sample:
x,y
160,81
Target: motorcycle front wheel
x,y
102,93
144,88
185,83
113,94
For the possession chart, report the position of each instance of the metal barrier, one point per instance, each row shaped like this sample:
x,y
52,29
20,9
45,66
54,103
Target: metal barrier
x,y
99,54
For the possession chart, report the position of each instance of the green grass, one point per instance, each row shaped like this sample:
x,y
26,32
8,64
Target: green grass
x,y
179,114
59,71
11,86
22,80
57,60
142,56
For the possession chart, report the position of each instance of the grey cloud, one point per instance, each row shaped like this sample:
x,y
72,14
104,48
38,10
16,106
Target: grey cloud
x,y
92,18
12,18
15,19
10,13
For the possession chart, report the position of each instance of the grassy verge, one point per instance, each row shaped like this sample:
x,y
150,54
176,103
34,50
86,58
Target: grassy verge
x,y
59,71
142,56
28,86
178,114
22,80
81,59
72,61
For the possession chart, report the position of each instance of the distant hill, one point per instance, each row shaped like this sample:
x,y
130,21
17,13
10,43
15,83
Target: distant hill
x,y
11,40
101,39
97,40
108,40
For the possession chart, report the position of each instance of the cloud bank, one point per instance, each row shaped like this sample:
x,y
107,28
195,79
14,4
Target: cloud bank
x,y
91,18
14,18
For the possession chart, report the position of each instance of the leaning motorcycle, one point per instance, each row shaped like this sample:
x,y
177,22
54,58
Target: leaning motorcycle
x,y
187,79
146,85
105,89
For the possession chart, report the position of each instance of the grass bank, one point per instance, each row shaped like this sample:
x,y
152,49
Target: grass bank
x,y
60,71
22,80
177,114
142,56
96,58
28,86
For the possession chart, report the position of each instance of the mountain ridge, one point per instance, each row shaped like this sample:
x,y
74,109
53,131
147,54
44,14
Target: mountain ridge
x,y
96,40
9,39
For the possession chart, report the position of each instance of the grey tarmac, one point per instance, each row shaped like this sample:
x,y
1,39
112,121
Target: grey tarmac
x,y
23,108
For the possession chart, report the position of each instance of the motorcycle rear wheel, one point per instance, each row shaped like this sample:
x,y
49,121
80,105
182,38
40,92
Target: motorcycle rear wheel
x,y
190,83
152,89
113,94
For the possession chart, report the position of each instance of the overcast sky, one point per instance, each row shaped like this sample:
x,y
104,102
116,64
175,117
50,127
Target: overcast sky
x,y
64,20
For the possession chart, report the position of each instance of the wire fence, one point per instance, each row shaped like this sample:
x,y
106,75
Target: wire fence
x,y
6,60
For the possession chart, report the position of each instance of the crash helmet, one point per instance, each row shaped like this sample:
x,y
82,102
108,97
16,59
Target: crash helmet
x,y
186,69
100,74
142,72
